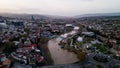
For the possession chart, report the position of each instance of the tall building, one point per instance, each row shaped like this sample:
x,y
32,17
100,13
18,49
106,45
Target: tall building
x,y
32,18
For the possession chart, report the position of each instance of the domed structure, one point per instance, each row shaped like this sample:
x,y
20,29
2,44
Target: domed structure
x,y
79,39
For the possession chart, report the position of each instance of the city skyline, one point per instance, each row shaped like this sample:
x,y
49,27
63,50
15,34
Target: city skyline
x,y
59,7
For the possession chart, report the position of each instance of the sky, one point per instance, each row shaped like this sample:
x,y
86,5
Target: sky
x,y
59,7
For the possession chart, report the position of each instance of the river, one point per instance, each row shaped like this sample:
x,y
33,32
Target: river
x,y
59,55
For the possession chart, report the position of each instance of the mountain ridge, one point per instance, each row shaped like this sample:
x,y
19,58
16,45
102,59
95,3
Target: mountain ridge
x,y
37,16
97,14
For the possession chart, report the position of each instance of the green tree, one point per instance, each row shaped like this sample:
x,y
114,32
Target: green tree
x,y
9,47
81,56
99,66
43,40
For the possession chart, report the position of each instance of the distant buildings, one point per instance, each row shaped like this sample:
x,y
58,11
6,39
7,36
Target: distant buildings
x,y
90,34
4,61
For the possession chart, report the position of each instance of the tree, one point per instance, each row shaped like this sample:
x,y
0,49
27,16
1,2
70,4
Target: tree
x,y
99,66
81,56
43,40
9,47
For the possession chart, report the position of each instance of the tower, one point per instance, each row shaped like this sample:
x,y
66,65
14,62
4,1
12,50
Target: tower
x,y
32,18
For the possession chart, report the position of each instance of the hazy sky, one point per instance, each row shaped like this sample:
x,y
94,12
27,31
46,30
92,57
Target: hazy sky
x,y
60,7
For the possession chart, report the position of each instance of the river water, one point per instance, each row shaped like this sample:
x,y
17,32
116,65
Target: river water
x,y
59,55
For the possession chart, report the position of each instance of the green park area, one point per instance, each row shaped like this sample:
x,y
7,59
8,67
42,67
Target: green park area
x,y
100,47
